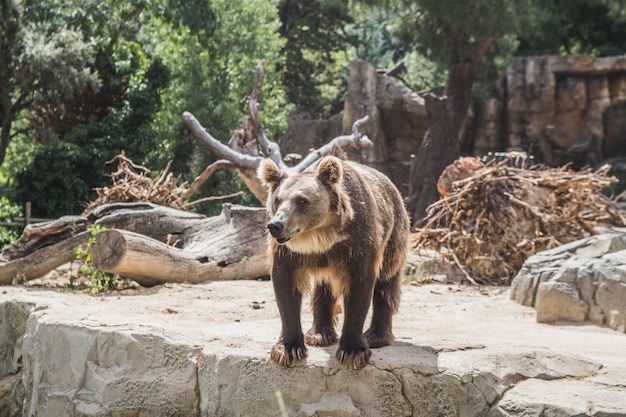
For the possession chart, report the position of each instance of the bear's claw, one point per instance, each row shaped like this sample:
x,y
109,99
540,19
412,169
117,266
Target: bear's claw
x,y
354,359
286,356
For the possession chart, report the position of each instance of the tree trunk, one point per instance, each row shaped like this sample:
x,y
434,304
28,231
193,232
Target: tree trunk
x,y
441,145
7,114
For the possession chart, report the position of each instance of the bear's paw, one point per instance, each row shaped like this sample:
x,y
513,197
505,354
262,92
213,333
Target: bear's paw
x,y
353,358
287,355
325,337
377,339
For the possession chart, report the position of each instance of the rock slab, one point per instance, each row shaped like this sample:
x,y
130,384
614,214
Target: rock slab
x,y
203,350
581,281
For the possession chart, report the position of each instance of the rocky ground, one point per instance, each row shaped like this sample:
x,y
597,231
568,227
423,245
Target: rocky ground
x,y
460,351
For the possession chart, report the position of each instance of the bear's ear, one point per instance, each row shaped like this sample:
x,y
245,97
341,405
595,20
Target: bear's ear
x,y
270,174
329,170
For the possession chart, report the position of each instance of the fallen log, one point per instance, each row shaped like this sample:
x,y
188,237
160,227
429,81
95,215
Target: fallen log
x,y
41,261
147,243
150,262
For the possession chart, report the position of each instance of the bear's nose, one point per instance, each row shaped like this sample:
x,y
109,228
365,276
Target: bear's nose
x,y
275,228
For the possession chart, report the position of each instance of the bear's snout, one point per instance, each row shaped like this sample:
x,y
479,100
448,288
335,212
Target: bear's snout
x,y
275,227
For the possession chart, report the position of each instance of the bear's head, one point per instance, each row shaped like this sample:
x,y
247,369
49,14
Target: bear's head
x,y
308,210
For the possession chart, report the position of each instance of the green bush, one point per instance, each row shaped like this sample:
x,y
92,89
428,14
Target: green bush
x,y
8,211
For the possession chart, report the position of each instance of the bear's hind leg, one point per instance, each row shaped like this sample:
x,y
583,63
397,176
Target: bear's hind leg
x,y
323,331
384,304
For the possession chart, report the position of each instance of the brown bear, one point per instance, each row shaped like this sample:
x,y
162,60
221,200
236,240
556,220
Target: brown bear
x,y
344,227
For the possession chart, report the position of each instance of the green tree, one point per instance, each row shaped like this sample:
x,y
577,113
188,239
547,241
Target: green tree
x,y
214,76
95,125
41,66
61,177
372,38
313,33
595,27
210,49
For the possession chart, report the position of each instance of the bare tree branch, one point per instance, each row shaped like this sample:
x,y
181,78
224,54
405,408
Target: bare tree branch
x,y
482,48
270,149
353,140
215,166
213,198
223,151
242,154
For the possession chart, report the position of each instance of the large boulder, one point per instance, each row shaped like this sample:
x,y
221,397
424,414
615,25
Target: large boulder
x,y
581,281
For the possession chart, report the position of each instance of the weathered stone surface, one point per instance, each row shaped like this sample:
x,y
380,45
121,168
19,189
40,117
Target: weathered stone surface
x,y
584,280
539,398
559,301
94,370
566,106
397,124
203,350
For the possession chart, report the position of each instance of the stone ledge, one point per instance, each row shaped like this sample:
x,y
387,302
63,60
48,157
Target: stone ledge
x,y
202,350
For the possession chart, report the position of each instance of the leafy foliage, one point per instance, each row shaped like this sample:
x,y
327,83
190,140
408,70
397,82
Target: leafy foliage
x,y
99,280
214,77
595,27
61,178
313,31
448,32
373,41
8,211
42,67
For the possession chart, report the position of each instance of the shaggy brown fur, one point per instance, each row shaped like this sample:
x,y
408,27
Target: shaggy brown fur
x,y
344,228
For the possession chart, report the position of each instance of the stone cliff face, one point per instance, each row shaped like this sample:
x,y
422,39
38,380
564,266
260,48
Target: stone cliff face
x,y
566,108
560,109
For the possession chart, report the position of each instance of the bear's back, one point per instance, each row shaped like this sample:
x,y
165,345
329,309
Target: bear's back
x,y
374,193
380,217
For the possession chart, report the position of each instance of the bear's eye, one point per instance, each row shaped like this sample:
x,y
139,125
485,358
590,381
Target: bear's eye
x,y
277,202
301,201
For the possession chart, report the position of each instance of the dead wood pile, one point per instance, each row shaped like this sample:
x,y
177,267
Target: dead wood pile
x,y
492,221
133,184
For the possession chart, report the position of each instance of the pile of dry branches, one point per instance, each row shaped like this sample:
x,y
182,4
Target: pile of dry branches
x,y
129,185
492,221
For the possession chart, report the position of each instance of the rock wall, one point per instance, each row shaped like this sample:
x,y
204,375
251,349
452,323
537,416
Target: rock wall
x,y
566,108
397,123
561,109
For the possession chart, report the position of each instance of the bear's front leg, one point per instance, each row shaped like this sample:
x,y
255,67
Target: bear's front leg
x,y
290,347
353,352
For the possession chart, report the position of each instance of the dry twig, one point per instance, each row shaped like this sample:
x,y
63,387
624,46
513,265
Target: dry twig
x,y
131,186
